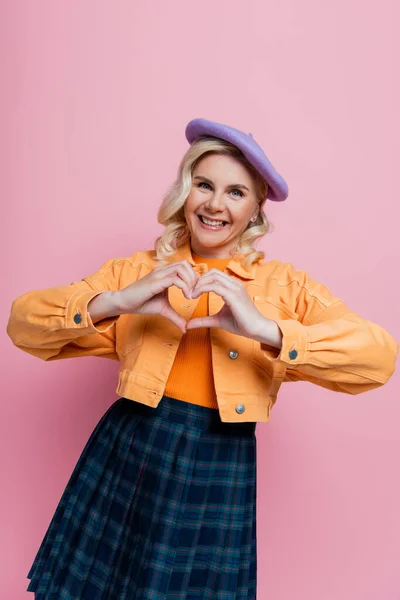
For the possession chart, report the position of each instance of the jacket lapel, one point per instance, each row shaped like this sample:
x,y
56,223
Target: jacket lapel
x,y
235,265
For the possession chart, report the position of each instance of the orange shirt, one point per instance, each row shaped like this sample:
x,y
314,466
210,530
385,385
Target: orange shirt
x,y
191,377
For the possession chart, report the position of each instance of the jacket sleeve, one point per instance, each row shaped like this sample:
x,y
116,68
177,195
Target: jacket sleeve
x,y
55,323
331,346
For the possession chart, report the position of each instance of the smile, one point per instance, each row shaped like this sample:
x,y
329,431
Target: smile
x,y
212,223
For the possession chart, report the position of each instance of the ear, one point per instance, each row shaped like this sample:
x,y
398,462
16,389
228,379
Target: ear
x,y
254,217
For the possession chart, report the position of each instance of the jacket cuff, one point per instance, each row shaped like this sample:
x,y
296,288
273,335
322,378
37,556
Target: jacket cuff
x,y
294,343
78,317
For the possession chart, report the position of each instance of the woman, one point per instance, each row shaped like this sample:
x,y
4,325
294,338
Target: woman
x,y
162,502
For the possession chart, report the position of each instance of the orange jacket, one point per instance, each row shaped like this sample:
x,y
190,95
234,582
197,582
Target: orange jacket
x,y
323,341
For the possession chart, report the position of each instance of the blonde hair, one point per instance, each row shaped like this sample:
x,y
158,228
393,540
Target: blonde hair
x,y
171,211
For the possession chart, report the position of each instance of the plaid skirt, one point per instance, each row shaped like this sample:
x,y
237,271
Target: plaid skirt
x,y
161,505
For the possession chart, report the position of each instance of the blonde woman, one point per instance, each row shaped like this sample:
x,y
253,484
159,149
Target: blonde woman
x,y
162,502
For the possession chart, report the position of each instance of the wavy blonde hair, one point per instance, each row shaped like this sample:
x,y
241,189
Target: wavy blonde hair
x,y
171,211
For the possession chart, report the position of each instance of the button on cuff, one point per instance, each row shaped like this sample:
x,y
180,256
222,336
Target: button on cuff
x,y
294,342
77,316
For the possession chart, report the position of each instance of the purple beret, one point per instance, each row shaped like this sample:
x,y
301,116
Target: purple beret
x,y
277,186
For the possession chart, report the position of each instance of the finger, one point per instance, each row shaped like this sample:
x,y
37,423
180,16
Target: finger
x,y
216,287
169,313
179,283
184,266
185,271
218,278
221,276
212,321
177,277
191,272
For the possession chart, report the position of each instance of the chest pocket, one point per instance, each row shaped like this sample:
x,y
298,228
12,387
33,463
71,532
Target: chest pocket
x,y
129,333
274,310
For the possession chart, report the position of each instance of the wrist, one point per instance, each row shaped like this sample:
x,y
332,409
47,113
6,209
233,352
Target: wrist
x,y
104,306
115,304
268,333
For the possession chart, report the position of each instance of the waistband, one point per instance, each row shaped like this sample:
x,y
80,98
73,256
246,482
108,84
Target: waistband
x,y
191,415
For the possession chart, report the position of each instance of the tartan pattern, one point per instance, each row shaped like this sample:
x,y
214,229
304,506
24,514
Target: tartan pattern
x,y
161,505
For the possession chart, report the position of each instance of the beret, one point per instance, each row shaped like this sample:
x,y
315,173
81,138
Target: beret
x,y
277,186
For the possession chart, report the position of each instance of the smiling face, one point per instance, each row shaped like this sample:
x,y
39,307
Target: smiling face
x,y
220,205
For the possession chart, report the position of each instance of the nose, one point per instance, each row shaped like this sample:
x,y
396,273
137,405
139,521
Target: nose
x,y
216,202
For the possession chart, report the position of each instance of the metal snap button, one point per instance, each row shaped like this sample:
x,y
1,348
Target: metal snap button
x,y
240,408
293,354
77,318
233,354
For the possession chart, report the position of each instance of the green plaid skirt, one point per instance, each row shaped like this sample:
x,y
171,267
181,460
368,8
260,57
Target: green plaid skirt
x,y
161,505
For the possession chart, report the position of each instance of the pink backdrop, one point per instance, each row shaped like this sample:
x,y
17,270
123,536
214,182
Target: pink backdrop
x,y
95,99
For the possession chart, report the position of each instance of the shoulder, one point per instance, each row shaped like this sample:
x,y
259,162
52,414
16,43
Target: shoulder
x,y
291,283
120,271
137,265
284,273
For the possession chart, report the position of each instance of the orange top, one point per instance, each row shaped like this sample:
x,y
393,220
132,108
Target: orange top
x,y
191,377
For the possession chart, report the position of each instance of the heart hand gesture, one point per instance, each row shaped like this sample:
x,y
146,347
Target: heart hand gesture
x,y
238,315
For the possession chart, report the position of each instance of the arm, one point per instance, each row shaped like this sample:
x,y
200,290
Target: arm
x,y
329,345
56,323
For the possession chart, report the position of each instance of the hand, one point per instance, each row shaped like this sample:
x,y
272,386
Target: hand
x,y
238,315
149,295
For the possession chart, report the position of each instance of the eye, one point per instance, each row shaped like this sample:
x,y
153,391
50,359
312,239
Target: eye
x,y
204,183
238,192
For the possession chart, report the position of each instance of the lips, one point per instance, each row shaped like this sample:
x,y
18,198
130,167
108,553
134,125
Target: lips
x,y
201,217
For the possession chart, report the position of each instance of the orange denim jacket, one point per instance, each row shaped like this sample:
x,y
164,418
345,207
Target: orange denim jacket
x,y
323,341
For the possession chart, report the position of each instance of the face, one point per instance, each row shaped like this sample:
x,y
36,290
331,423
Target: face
x,y
220,205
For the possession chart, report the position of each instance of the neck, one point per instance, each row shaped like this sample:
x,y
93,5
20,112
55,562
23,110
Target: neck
x,y
212,253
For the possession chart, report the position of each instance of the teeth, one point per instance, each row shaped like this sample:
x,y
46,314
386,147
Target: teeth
x,y
209,222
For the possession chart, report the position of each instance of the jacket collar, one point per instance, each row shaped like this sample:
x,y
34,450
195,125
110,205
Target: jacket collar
x,y
184,253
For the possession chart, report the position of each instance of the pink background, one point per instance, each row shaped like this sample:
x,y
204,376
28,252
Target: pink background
x,y
95,99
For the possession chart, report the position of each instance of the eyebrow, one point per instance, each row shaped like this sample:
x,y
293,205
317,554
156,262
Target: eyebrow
x,y
234,185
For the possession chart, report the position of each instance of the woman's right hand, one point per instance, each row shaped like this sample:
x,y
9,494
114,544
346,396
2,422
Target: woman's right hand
x,y
149,295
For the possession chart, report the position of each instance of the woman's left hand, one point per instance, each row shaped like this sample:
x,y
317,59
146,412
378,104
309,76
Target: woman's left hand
x,y
238,315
